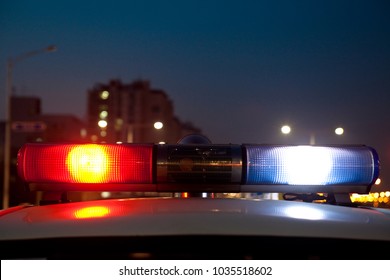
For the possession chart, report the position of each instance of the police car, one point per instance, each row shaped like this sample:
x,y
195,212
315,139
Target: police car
x,y
209,202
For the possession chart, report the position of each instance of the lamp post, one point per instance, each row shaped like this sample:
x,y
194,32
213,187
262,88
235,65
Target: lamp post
x,y
8,122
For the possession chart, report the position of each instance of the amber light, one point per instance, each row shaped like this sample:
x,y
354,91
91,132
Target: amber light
x,y
86,163
184,195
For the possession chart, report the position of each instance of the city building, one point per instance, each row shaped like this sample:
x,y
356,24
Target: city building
x,y
27,125
133,113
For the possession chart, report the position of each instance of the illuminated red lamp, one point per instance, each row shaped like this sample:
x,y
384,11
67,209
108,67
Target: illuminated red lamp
x,y
86,163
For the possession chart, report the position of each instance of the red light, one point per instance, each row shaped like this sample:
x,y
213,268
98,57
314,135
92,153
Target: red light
x,y
184,195
86,163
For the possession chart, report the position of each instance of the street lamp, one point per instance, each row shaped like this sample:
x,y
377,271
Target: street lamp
x,y
285,129
7,141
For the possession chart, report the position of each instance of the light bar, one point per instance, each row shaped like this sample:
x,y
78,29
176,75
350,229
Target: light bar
x,y
85,163
199,167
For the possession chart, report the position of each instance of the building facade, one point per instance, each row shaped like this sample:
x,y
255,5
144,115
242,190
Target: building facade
x,y
29,125
133,113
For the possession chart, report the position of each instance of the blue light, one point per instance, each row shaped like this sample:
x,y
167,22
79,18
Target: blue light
x,y
311,165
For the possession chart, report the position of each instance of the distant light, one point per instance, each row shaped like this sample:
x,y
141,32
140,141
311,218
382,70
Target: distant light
x,y
102,123
158,125
94,138
339,131
83,133
378,181
104,95
105,194
118,124
286,129
103,114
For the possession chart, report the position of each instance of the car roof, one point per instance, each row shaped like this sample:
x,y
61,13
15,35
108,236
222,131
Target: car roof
x,y
195,216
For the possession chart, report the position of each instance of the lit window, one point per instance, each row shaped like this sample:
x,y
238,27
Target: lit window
x,y
83,133
103,107
102,123
94,138
104,95
118,124
103,114
158,125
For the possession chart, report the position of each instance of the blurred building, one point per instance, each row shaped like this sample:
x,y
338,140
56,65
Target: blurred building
x,y
131,113
29,125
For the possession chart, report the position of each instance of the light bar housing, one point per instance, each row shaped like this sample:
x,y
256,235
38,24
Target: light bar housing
x,y
310,168
86,163
198,168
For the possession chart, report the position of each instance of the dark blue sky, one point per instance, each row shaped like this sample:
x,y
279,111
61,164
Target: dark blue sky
x,y
237,69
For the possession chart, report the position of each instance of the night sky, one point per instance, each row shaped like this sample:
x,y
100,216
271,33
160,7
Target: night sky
x,y
239,70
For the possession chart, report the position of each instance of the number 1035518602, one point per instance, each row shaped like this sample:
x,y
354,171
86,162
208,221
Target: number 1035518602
x,y
242,270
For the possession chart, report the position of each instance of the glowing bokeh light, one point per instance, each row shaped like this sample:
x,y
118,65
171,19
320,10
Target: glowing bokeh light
x,y
158,125
285,129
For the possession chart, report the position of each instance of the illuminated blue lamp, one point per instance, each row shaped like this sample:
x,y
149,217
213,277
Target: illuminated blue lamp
x,y
311,165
